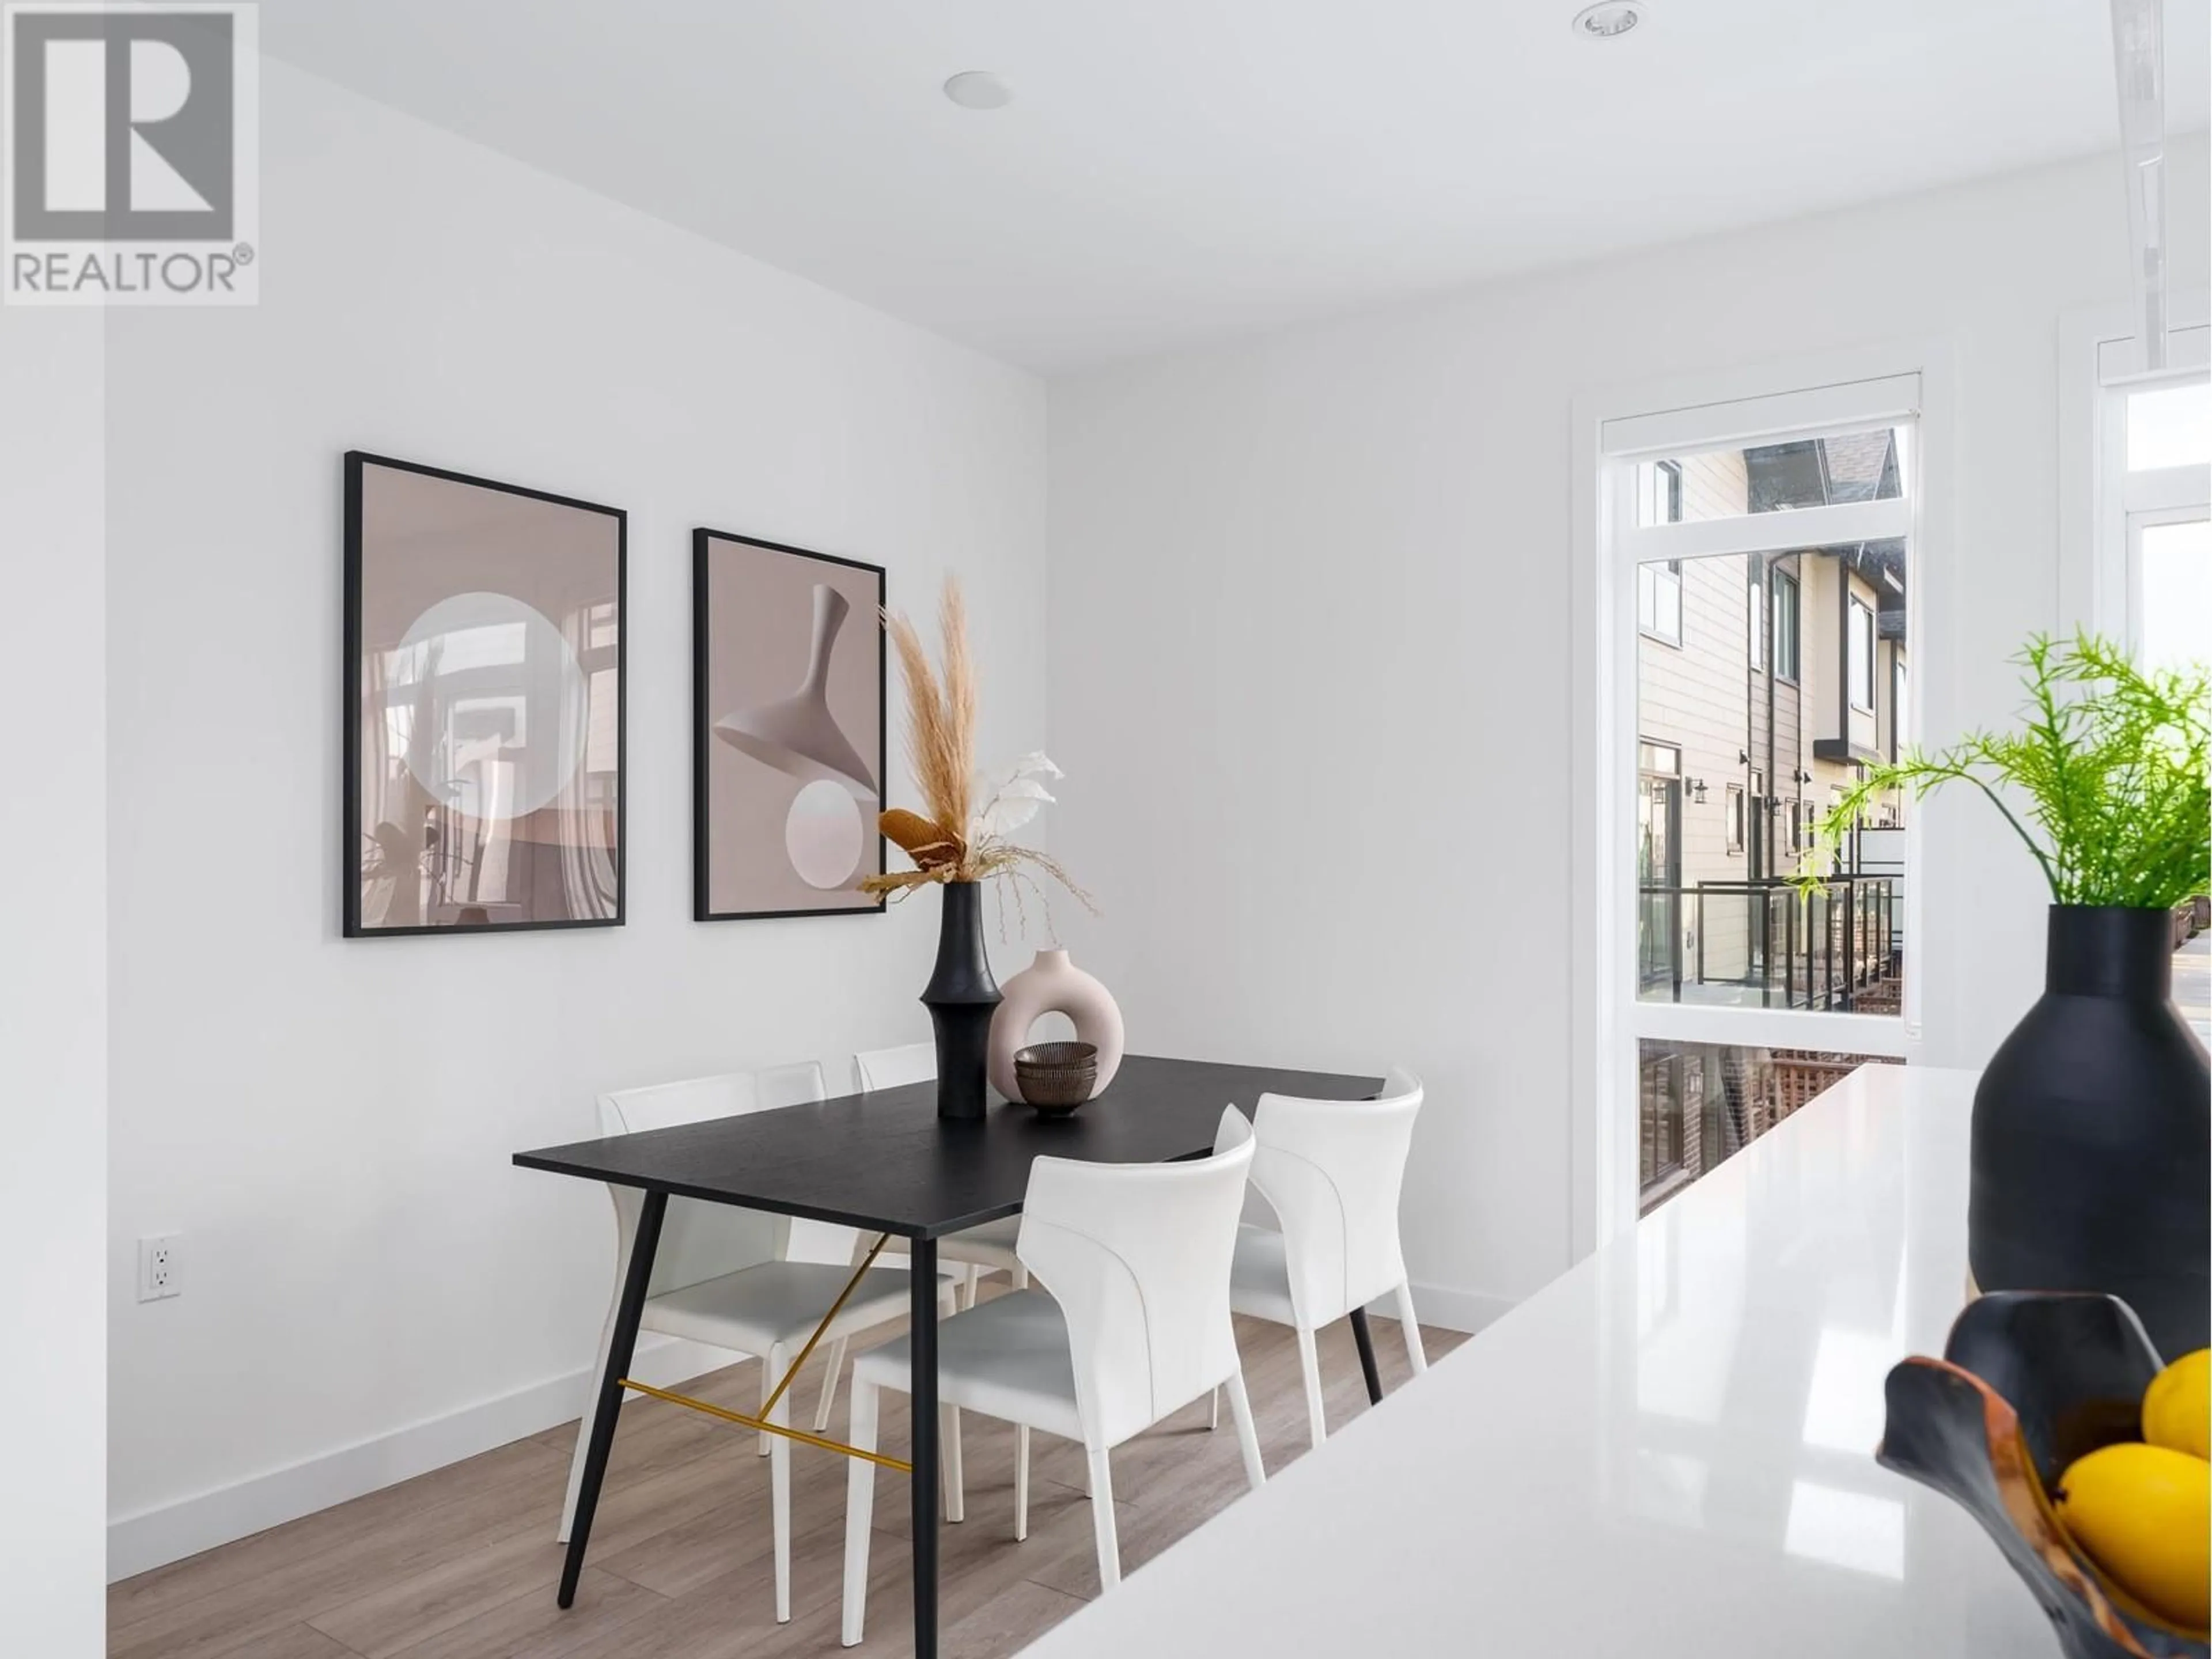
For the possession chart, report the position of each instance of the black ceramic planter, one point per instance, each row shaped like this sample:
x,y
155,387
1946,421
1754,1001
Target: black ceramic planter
x,y
2091,1162
961,996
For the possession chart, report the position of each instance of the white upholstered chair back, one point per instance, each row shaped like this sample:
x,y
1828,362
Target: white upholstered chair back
x,y
890,1068
1138,1257
1332,1170
699,1242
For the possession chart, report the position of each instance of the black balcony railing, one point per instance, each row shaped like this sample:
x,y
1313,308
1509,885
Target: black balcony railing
x,y
1771,944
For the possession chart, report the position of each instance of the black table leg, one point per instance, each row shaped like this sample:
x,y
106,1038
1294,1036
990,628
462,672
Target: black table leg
x,y
1366,1342
923,1391
623,1343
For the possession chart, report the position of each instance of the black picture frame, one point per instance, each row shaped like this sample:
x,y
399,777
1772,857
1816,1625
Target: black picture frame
x,y
356,462
703,539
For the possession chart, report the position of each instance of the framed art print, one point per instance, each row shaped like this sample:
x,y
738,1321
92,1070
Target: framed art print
x,y
484,704
787,742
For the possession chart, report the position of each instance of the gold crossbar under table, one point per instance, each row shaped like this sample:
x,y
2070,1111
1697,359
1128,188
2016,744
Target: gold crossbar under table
x,y
761,1423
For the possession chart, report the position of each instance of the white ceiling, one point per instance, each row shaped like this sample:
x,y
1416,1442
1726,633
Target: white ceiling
x,y
1173,169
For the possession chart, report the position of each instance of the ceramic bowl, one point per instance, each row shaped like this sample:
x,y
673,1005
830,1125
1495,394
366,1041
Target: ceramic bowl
x,y
1057,1078
2030,1381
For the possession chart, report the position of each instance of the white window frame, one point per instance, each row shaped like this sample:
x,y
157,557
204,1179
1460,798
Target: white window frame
x,y
1909,383
2103,507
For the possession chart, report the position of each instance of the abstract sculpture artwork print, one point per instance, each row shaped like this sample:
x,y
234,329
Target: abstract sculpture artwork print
x,y
787,750
483,705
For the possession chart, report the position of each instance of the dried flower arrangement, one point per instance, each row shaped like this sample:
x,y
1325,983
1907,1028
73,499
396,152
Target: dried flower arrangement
x,y
956,838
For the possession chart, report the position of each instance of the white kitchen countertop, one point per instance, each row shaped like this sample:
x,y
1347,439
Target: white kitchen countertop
x,y
1668,1451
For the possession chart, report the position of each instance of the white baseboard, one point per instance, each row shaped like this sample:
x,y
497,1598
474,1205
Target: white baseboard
x,y
169,1532
1453,1310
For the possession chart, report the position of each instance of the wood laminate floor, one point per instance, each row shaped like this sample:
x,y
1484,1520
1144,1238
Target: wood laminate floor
x,y
461,1564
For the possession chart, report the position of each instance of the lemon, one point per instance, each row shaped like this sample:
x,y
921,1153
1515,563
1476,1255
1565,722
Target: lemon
x,y
2177,1408
2143,1514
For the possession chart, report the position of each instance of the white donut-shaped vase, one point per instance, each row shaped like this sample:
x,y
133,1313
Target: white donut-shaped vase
x,y
1054,985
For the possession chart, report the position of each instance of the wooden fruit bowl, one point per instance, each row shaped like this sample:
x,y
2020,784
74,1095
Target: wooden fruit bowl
x,y
2030,1381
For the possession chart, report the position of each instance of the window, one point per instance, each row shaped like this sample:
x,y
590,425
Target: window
x,y
2169,426
1704,938
2149,551
1897,726
2170,563
1659,600
1698,1103
1860,641
1659,488
1702,486
1785,627
2168,492
1712,931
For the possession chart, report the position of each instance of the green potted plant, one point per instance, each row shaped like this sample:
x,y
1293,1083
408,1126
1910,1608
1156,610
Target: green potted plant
x,y
2092,1120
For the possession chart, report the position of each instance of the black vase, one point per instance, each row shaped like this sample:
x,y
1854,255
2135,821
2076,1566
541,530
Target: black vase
x,y
961,996
2090,1147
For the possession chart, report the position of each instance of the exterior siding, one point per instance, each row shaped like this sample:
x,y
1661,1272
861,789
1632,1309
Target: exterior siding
x,y
1697,697
1704,699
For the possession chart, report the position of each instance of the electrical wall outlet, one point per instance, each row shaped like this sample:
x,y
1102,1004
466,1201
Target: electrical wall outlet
x,y
160,1266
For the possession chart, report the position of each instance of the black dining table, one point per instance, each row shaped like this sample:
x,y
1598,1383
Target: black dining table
x,y
884,1162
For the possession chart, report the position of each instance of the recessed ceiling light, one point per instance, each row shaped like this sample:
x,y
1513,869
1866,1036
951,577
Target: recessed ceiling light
x,y
1607,20
979,89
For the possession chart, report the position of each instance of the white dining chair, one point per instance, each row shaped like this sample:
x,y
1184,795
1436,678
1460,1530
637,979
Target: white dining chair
x,y
981,1250
1137,1258
976,1250
984,1250
710,1284
894,1068
1331,1170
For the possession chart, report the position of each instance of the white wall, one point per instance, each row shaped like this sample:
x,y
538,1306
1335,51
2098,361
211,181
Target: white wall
x,y
53,983
328,1123
1310,626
